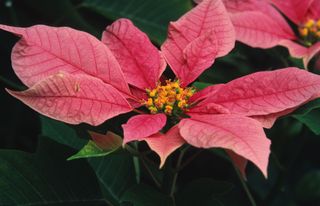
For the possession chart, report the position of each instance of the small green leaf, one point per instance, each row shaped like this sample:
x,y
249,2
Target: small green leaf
x,y
101,145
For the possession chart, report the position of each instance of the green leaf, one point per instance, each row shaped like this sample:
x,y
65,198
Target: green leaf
x,y
61,133
201,85
205,192
308,188
45,178
91,149
115,172
144,195
309,114
151,16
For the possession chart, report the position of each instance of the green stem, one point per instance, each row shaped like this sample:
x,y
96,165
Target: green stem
x,y
245,186
176,172
143,159
190,159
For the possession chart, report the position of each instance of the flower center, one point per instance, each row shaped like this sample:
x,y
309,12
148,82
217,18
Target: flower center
x,y
170,98
310,31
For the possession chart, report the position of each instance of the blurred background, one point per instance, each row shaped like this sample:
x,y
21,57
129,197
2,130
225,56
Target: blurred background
x,y
210,179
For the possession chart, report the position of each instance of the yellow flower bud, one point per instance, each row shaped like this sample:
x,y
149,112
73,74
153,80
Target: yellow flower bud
x,y
303,32
309,23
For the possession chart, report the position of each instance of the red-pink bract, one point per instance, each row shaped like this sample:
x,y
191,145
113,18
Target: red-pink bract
x,y
259,24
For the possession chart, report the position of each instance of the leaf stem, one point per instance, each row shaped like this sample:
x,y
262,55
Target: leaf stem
x,y
245,186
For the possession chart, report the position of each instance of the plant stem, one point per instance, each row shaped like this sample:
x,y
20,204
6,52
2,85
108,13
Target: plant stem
x,y
245,186
143,159
176,171
150,173
190,159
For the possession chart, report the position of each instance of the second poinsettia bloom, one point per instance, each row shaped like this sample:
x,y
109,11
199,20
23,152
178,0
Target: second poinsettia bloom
x,y
261,23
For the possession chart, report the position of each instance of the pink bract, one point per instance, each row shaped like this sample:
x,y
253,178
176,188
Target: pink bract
x,y
259,24
75,78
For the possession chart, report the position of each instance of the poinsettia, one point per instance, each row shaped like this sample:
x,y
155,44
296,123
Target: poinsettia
x,y
73,77
259,23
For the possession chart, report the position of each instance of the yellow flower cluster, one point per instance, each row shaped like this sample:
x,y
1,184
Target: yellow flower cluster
x,y
169,98
310,30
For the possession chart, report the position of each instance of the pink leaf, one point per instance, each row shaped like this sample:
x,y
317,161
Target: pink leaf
x,y
257,23
299,51
74,99
295,10
197,38
140,61
267,92
165,144
43,51
141,126
208,108
204,93
242,135
268,120
314,10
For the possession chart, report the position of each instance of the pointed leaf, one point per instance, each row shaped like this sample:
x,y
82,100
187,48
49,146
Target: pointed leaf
x,y
197,38
141,62
242,135
44,51
101,145
165,144
74,99
267,92
141,126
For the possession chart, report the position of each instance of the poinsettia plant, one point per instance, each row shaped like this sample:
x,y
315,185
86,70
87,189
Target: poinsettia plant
x,y
75,78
